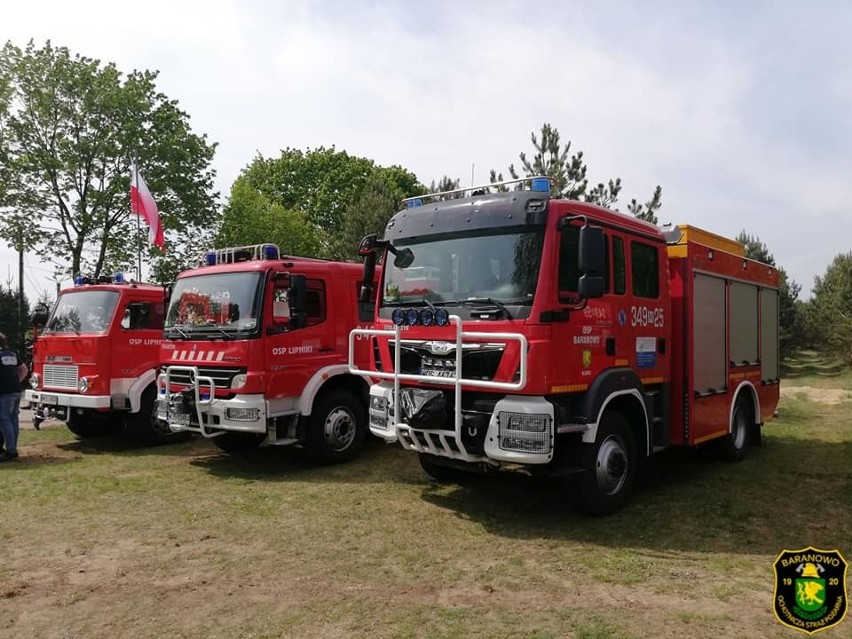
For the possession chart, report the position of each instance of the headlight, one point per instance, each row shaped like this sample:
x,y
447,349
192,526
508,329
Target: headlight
x,y
34,380
83,384
239,381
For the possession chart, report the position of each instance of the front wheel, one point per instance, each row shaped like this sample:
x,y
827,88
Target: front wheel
x,y
238,442
86,425
609,467
442,473
146,428
337,427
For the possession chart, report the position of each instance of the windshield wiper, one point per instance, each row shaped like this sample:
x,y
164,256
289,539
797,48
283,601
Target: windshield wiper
x,y
179,332
224,332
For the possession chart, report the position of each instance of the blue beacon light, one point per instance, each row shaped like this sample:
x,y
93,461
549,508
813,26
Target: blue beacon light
x,y
79,280
118,278
412,316
210,259
270,252
426,317
541,185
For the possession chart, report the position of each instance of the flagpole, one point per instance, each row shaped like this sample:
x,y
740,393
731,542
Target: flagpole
x,y
138,227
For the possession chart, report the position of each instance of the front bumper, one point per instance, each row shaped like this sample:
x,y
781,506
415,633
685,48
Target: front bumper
x,y
42,399
211,417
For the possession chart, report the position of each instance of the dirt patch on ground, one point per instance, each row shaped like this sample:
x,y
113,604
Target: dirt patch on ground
x,y
819,395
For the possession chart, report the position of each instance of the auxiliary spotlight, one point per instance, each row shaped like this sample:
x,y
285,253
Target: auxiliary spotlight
x,y
442,317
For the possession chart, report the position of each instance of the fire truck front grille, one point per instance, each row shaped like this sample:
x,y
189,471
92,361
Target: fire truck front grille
x,y
56,376
222,377
479,361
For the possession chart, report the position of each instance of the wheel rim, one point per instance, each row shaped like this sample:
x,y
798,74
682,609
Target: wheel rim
x,y
339,428
739,428
611,466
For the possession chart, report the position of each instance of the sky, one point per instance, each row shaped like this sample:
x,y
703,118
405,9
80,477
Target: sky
x,y
739,109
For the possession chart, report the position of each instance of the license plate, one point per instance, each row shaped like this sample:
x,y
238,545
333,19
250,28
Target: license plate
x,y
179,418
49,399
439,373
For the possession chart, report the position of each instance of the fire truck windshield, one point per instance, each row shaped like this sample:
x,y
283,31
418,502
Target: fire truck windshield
x,y
502,267
82,311
217,305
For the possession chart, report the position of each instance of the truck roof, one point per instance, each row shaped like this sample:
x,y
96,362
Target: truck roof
x,y
286,262
503,210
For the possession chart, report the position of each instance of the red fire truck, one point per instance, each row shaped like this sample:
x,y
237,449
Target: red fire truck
x,y
566,338
95,362
255,352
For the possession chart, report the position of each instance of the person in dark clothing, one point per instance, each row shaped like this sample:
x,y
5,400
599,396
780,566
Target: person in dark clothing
x,y
12,371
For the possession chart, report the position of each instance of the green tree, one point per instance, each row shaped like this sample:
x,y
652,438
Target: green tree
x,y
569,175
11,324
368,214
446,183
320,184
71,127
830,309
251,218
790,316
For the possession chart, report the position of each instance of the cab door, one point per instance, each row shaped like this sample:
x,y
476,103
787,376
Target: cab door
x,y
299,335
647,310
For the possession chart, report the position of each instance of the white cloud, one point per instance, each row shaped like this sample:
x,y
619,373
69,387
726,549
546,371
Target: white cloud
x,y
665,94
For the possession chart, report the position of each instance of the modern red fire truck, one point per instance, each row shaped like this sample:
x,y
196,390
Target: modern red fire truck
x,y
565,338
255,352
95,362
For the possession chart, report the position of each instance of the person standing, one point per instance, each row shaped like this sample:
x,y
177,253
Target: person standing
x,y
12,373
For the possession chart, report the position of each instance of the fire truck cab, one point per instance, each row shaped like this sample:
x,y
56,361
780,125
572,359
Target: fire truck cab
x,y
96,359
255,352
516,329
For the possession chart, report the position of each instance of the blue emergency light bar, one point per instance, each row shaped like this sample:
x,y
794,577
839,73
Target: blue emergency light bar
x,y
118,278
235,254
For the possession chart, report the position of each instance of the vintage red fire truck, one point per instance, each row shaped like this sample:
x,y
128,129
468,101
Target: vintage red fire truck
x,y
95,362
566,338
255,352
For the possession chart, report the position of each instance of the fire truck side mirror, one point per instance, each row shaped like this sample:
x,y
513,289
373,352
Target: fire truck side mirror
x,y
39,318
298,297
591,262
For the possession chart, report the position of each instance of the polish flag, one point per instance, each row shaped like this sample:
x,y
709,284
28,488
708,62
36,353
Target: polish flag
x,y
143,205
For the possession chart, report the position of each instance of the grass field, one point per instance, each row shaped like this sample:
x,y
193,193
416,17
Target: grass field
x,y
100,540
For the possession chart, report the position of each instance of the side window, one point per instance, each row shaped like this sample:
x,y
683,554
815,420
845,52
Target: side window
x,y
315,302
619,273
143,316
365,309
645,268
569,271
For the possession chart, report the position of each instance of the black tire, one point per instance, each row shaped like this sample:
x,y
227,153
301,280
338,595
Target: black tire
x,y
337,427
86,425
144,427
442,473
735,444
238,442
609,467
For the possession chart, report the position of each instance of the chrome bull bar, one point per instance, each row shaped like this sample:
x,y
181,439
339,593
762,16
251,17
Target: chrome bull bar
x,y
200,404
438,441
